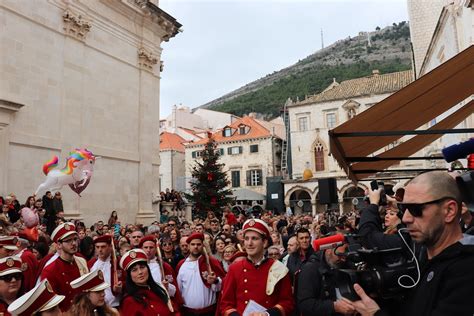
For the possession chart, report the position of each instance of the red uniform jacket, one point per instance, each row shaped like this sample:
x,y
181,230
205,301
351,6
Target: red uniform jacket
x,y
154,305
60,274
29,266
3,309
245,281
216,267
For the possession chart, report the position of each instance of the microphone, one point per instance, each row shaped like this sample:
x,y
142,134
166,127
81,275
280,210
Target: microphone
x,y
458,151
333,241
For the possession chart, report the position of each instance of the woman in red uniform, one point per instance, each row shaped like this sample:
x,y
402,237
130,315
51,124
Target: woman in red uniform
x,y
143,296
10,282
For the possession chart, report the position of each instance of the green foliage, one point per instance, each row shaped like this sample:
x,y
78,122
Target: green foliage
x,y
270,99
209,182
347,59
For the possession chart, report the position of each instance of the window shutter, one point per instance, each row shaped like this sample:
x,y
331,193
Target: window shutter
x,y
229,151
249,182
193,154
260,180
241,149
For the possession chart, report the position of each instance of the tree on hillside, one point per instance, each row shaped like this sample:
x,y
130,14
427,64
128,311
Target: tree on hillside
x,y
209,183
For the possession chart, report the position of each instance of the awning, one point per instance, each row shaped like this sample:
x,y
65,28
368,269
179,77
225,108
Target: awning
x,y
247,195
401,114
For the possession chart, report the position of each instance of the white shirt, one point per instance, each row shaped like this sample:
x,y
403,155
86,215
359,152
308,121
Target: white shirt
x,y
195,294
156,274
106,268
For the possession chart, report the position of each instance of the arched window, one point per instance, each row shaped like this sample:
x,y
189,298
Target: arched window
x,y
319,157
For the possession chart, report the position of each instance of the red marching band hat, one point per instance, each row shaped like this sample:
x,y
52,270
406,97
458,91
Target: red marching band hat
x,y
41,298
9,242
104,238
9,265
131,257
257,225
195,236
62,231
90,282
151,238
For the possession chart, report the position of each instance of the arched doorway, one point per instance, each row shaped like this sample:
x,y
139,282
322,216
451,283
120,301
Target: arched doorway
x,y
349,198
300,202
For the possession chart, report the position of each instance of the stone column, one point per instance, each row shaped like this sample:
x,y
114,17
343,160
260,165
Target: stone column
x,y
148,136
7,109
76,27
314,208
189,212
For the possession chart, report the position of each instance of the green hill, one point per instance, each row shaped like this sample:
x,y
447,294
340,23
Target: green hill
x,y
388,51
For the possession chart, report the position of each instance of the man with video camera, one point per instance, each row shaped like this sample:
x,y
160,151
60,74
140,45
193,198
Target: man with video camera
x,y
431,211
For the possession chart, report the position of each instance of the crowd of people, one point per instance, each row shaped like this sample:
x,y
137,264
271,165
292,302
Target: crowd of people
x,y
236,264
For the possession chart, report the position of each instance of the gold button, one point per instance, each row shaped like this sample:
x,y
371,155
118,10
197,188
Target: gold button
x,y
245,270
152,306
246,291
245,280
246,302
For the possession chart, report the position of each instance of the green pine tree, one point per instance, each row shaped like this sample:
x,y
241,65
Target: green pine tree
x,y
209,183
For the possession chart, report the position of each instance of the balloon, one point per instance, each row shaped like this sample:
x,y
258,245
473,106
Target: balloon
x,y
31,234
30,217
78,171
78,188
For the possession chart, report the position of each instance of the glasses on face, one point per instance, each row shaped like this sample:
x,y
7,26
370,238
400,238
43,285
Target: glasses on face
x,y
70,241
11,276
171,224
416,209
166,244
136,237
273,254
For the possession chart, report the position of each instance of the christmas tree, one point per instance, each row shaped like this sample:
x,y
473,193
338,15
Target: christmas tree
x,y
209,183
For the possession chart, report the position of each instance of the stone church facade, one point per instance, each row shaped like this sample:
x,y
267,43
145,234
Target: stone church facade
x,y
84,73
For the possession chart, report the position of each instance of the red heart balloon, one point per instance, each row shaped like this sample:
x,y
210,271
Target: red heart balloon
x,y
78,189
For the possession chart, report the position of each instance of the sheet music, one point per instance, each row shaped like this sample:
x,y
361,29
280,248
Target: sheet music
x,y
253,307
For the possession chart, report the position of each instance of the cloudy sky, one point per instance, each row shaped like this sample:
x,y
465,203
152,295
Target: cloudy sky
x,y
228,43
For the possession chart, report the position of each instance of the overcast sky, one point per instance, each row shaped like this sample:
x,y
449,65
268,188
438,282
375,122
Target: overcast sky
x,y
228,43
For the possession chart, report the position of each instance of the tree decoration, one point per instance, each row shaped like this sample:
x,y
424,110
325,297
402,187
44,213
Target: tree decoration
x,y
209,186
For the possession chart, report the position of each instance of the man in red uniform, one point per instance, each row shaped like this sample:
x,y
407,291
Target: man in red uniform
x,y
199,279
108,265
67,267
258,279
29,263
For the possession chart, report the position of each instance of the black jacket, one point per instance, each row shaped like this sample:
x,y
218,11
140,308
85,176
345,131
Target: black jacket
x,y
371,229
295,263
316,287
446,285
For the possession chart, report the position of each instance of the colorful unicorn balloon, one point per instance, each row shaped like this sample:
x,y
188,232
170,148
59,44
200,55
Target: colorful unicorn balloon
x,y
77,172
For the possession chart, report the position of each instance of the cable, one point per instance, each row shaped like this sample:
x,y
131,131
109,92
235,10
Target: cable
x,y
415,283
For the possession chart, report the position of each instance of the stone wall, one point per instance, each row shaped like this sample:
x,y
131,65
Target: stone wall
x,y
83,74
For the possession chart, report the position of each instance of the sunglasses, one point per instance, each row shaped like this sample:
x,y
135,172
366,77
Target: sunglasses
x,y
11,276
166,244
416,209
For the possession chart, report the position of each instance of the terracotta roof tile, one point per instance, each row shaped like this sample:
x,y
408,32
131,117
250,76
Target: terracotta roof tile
x,y
374,84
257,130
170,141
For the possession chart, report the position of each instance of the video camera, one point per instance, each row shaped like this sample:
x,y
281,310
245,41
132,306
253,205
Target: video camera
x,y
379,272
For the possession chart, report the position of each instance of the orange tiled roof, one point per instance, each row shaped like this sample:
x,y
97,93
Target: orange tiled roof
x,y
256,131
170,141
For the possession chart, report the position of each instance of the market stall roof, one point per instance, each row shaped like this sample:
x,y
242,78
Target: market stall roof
x,y
247,195
354,142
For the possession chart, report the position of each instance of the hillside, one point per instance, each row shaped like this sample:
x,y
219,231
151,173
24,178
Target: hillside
x,y
388,51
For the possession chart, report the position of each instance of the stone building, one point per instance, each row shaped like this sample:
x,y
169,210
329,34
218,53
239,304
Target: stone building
x,y
84,73
310,121
453,33
172,167
250,150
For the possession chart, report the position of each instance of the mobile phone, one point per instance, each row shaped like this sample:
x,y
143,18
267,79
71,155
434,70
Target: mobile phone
x,y
374,185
